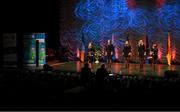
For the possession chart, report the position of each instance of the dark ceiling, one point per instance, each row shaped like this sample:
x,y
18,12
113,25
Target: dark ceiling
x,y
29,16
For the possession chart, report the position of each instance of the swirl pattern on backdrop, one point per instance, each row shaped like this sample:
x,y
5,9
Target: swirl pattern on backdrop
x,y
100,19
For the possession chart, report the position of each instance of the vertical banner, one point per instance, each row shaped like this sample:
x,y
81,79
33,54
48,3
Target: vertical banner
x,y
82,53
169,49
10,50
29,48
42,47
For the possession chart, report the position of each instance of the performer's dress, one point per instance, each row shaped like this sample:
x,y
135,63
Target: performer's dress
x,y
141,50
91,54
155,53
109,49
126,51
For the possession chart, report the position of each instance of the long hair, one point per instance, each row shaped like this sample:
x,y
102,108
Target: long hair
x,y
109,42
140,43
90,45
127,44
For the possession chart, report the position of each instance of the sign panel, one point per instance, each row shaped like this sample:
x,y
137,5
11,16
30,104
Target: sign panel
x,y
42,47
29,50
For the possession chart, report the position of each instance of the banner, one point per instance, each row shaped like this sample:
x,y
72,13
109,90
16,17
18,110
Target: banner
x,y
42,47
29,48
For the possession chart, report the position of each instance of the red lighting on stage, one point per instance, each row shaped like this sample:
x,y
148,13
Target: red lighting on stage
x,y
78,66
159,53
159,3
78,53
173,54
116,67
116,53
131,3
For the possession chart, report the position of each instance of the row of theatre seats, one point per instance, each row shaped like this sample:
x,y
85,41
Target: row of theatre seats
x,y
68,80
48,87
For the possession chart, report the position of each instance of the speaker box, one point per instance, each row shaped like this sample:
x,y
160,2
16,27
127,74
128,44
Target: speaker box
x,y
171,74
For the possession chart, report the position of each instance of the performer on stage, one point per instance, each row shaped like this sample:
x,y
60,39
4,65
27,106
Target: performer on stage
x,y
154,51
127,53
141,53
154,54
91,51
109,53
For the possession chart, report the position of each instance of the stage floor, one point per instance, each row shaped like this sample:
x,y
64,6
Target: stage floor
x,y
117,68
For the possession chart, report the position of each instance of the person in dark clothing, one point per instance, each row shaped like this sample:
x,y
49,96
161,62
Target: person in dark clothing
x,y
91,51
109,53
127,53
101,76
154,51
86,75
141,53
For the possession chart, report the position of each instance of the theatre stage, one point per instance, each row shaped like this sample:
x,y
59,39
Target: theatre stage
x,y
117,68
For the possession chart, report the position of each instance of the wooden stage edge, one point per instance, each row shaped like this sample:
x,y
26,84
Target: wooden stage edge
x,y
116,68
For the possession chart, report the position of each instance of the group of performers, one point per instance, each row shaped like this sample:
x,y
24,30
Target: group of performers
x,y
127,53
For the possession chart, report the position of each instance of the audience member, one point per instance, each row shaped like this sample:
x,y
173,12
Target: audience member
x,y
86,75
101,76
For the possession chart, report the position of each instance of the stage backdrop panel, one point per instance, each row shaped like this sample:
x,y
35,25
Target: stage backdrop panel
x,y
10,50
99,20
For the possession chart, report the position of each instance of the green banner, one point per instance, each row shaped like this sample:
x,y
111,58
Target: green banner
x,y
29,49
42,47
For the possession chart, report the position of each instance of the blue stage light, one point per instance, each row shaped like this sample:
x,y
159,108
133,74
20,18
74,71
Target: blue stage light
x,y
100,19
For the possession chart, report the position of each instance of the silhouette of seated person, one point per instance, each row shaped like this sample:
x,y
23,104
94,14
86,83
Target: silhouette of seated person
x,y
101,76
86,75
47,67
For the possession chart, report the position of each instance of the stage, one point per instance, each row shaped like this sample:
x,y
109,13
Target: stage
x,y
117,68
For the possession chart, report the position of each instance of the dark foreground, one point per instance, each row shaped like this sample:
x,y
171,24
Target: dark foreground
x,y
42,90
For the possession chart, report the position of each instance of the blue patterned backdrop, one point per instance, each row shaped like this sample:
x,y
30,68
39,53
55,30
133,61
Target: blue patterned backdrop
x,y
100,20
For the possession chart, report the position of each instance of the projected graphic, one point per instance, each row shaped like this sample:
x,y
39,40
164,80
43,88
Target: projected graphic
x,y
100,20
103,17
